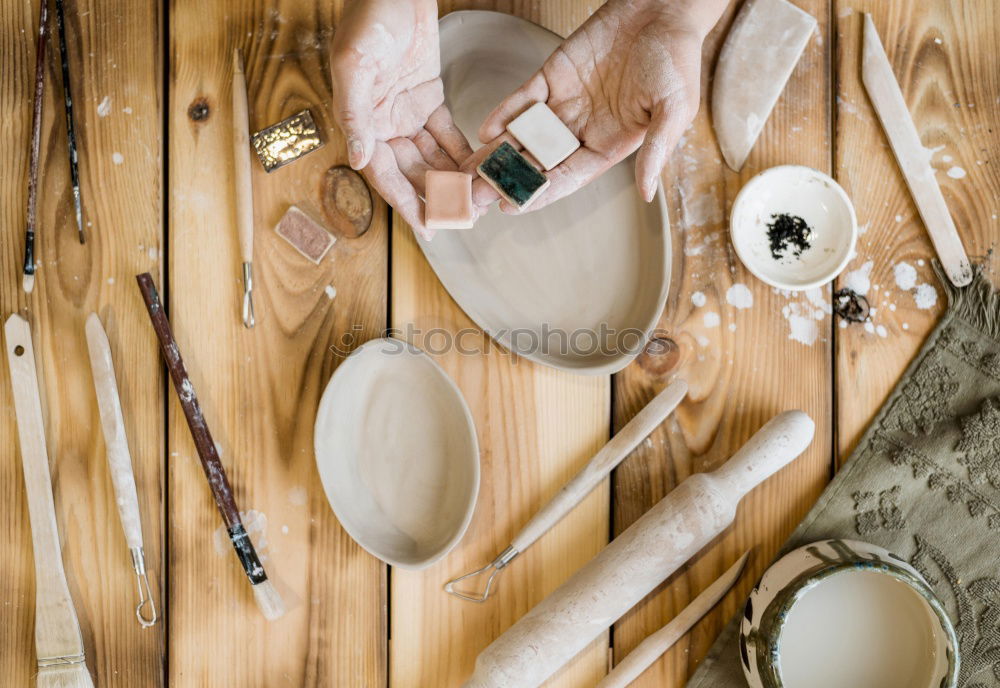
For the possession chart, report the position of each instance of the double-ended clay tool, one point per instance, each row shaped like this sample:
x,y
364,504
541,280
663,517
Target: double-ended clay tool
x,y
589,477
119,461
58,641
243,183
653,647
30,264
913,159
267,597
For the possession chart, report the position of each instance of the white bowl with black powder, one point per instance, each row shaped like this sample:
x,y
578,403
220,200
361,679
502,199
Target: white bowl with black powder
x,y
793,227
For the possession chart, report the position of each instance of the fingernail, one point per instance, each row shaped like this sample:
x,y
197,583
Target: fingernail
x,y
356,151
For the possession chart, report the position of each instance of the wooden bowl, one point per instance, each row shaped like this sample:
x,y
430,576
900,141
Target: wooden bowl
x,y
397,453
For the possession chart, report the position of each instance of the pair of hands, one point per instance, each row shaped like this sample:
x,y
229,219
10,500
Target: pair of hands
x,y
627,79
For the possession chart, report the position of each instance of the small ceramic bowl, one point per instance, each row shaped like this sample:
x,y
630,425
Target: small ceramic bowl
x,y
805,193
397,453
842,613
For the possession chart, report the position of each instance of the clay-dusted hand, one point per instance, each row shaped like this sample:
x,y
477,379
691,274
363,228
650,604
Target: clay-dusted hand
x,y
627,79
389,100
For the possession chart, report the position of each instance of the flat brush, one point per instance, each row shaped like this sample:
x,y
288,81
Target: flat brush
x,y
267,597
28,282
74,168
58,642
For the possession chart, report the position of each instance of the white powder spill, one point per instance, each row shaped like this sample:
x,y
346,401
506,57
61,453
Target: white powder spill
x,y
739,296
732,327
284,530
881,331
869,327
925,296
906,326
862,229
331,291
104,107
711,319
298,496
899,218
956,172
947,158
117,158
824,307
702,340
859,280
698,299
938,41
906,276
127,110
152,252
111,280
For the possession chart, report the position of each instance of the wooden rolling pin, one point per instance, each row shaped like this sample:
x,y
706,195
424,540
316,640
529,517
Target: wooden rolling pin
x,y
638,560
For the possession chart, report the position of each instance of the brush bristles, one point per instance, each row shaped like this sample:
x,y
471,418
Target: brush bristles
x,y
270,602
28,283
75,676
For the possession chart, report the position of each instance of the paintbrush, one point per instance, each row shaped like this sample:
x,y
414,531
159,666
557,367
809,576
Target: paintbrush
x,y
243,183
267,597
58,642
28,282
74,168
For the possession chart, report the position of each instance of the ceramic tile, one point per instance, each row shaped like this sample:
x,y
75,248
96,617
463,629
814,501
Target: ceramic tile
x,y
307,236
514,178
544,135
448,200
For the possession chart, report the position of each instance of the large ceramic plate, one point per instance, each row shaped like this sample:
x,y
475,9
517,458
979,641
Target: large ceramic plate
x,y
596,262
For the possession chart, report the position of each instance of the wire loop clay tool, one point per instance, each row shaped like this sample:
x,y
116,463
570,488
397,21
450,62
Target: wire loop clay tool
x,y
119,460
598,468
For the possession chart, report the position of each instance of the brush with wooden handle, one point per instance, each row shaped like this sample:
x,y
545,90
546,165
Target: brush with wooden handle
x,y
119,460
30,259
267,597
243,183
582,484
58,641
638,560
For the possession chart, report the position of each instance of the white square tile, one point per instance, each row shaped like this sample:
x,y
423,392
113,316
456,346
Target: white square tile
x,y
544,135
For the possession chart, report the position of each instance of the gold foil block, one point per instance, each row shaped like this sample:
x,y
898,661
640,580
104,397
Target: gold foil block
x,y
287,140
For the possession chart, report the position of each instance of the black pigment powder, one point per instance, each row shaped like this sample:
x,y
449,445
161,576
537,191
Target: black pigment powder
x,y
788,232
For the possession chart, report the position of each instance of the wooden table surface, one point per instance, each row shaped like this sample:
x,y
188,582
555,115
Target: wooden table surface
x,y
152,89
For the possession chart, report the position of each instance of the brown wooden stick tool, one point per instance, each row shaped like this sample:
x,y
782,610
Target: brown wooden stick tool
x,y
267,597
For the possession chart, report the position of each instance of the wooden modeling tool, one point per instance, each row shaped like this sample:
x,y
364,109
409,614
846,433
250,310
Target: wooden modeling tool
x,y
30,265
267,597
74,168
633,564
913,158
244,183
589,477
58,642
119,460
653,647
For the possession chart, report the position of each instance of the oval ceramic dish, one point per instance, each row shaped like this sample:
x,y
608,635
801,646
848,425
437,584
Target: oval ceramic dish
x,y
597,261
875,621
397,453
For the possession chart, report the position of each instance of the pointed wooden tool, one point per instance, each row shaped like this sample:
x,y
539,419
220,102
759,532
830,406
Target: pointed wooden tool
x,y
760,52
653,647
913,158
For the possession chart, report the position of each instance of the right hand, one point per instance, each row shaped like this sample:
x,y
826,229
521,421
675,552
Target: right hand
x,y
389,100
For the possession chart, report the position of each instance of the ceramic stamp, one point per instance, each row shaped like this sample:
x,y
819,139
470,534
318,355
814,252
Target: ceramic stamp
x,y
637,561
346,201
287,141
544,135
306,235
448,198
513,177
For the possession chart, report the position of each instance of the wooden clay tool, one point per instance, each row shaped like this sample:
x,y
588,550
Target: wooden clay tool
x,y
653,647
267,597
74,167
243,182
582,484
913,158
28,281
119,460
637,561
760,52
58,642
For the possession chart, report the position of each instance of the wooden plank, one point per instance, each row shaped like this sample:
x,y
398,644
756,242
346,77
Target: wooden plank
x,y
115,61
536,428
260,388
742,364
944,56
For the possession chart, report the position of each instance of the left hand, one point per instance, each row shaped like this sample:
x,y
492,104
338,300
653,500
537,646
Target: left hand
x,y
627,79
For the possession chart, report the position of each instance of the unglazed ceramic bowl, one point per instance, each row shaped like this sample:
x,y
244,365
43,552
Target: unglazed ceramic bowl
x,y
809,194
397,453
552,285
841,613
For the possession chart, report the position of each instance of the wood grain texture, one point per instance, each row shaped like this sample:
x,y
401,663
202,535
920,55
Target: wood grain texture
x,y
260,388
945,59
742,365
114,51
